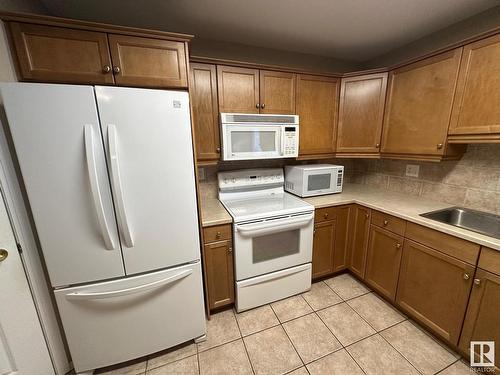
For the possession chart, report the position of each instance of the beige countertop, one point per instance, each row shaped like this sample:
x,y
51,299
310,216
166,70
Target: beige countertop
x,y
393,203
400,205
214,213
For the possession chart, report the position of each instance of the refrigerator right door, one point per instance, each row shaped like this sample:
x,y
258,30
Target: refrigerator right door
x,y
147,136
57,139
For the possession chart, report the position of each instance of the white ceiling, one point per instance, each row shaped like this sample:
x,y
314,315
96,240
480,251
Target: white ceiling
x,y
355,30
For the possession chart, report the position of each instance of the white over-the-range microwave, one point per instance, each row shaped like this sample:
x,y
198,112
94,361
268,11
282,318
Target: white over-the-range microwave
x,y
314,179
255,136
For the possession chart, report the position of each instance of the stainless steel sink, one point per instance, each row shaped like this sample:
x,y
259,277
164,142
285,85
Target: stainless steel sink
x,y
477,221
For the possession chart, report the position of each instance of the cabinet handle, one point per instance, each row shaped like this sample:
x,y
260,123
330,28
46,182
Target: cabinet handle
x,y
386,222
217,150
106,69
398,246
466,276
218,235
439,146
377,145
477,282
116,69
263,105
257,105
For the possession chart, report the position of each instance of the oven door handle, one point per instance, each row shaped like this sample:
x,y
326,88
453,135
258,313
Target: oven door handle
x,y
273,226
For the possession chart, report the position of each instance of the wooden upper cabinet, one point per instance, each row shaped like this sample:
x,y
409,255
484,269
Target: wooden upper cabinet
x,y
361,112
238,89
277,92
419,104
57,54
476,109
360,230
434,288
482,319
203,92
148,62
317,104
383,261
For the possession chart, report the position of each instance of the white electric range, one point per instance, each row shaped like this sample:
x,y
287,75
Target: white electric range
x,y
273,235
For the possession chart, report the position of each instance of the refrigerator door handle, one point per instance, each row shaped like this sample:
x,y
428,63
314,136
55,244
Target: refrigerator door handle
x,y
128,291
116,182
94,187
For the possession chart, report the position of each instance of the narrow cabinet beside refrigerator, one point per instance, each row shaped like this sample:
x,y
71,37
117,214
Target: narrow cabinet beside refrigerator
x,y
109,176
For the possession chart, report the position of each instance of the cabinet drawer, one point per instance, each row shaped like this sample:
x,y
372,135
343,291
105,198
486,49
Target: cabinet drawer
x,y
456,247
325,214
389,222
489,260
217,233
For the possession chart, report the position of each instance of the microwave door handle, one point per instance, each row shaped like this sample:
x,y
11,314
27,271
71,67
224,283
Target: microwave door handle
x,y
94,187
282,134
269,227
117,186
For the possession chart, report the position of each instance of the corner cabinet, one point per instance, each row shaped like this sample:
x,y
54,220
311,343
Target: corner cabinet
x,y
317,107
361,111
418,109
476,114
203,92
83,55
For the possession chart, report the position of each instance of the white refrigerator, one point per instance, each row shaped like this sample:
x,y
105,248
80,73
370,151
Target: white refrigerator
x,y
109,176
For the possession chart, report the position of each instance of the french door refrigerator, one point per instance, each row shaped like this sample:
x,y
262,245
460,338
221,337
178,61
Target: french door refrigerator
x,y
109,176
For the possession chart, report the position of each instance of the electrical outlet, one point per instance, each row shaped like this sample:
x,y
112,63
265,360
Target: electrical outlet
x,y
412,170
201,174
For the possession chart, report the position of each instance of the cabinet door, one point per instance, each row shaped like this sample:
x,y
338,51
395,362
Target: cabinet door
x,y
317,100
238,89
323,248
148,62
277,92
56,54
361,113
420,98
476,107
360,231
205,111
219,270
482,322
430,283
341,249
383,261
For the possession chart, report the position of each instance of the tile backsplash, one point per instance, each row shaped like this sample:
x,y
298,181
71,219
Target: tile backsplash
x,y
473,181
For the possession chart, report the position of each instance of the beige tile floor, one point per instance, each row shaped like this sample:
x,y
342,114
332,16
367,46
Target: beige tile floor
x,y
338,327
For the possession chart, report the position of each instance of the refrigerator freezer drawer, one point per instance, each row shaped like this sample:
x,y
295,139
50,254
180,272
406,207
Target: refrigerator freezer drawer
x,y
273,286
114,321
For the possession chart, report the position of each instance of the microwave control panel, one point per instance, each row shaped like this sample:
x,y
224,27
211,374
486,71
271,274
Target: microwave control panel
x,y
291,141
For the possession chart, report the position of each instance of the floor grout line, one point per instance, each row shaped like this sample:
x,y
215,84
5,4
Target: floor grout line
x,y
244,344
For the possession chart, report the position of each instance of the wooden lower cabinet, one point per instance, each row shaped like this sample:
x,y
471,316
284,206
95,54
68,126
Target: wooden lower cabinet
x,y
323,248
383,261
434,288
360,231
482,322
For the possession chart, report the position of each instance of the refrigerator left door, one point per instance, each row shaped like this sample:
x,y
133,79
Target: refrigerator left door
x,y
57,139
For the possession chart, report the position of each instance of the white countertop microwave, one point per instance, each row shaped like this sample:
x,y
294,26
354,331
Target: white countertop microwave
x,y
314,179
254,136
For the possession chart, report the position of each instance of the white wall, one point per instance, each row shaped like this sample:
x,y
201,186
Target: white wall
x,y
31,259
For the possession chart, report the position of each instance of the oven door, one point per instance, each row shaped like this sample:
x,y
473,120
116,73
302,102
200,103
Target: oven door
x,y
272,244
318,182
244,142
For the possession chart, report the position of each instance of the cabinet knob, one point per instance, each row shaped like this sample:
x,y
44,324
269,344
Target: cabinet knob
x,y
116,69
229,249
257,105
218,150
367,216
466,276
386,222
477,282
398,246
439,146
106,69
377,145
263,105
325,216
3,254
218,235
